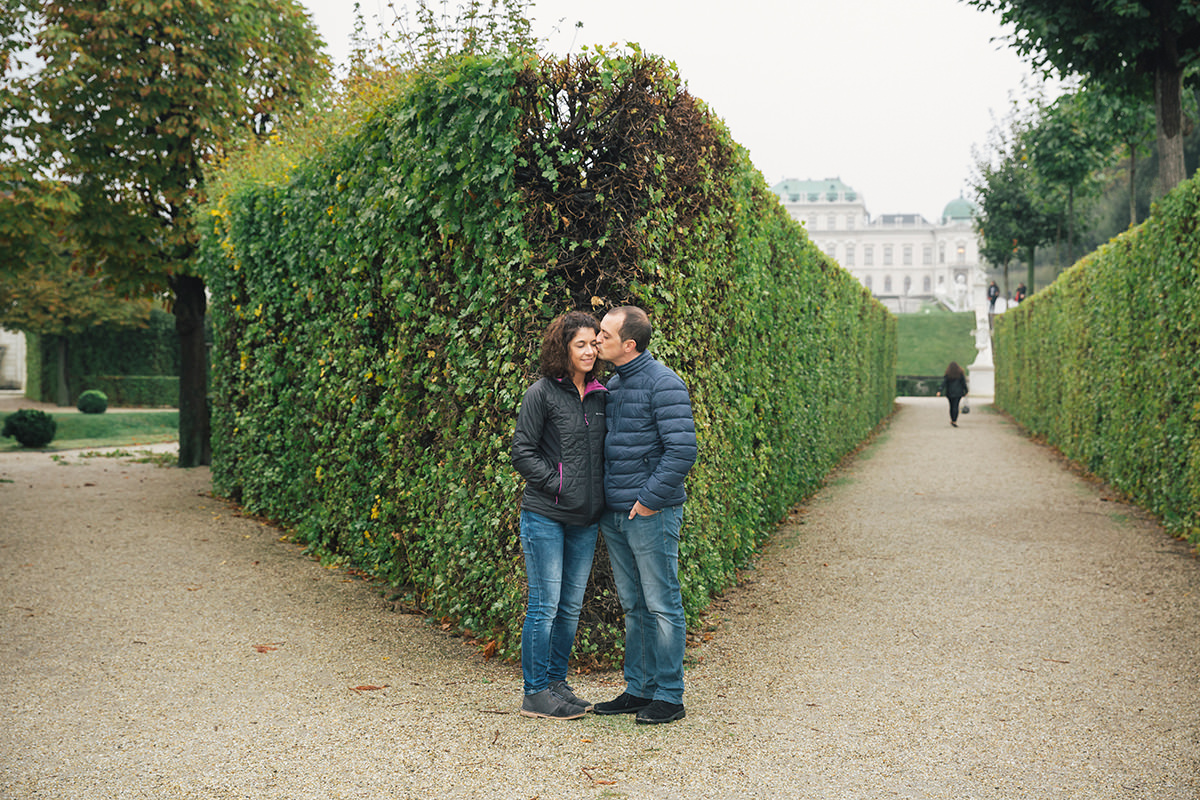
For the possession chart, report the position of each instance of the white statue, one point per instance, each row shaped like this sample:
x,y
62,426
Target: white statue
x,y
962,299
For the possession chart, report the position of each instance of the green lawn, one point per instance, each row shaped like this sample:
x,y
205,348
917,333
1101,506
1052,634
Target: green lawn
x,y
927,342
120,429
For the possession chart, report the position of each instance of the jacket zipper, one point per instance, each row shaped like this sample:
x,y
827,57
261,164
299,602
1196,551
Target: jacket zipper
x,y
587,423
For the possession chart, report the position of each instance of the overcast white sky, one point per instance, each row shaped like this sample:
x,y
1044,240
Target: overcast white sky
x,y
888,95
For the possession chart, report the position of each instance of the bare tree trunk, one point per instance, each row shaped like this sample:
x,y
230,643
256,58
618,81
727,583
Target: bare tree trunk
x,y
195,448
1058,258
1029,271
1132,183
1070,225
62,392
1168,106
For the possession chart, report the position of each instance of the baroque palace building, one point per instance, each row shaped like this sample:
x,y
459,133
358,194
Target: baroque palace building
x,y
903,259
12,360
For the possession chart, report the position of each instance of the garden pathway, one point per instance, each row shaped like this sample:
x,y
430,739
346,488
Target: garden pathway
x,y
956,615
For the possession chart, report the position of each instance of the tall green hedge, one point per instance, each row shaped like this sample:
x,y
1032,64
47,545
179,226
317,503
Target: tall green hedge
x,y
378,300
95,357
1103,363
35,371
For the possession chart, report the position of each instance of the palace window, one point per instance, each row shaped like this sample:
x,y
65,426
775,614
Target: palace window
x,y
908,255
850,255
887,255
868,255
927,255
887,284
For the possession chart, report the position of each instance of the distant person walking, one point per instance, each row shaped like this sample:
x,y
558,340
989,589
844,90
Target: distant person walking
x,y
954,388
993,293
650,447
1021,294
558,447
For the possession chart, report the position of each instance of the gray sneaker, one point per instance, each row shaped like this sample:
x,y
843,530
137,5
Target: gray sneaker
x,y
562,690
546,706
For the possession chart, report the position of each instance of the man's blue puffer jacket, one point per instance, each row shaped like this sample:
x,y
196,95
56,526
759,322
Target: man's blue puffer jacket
x,y
651,441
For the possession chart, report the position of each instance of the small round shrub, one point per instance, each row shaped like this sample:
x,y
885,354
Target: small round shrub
x,y
30,427
93,401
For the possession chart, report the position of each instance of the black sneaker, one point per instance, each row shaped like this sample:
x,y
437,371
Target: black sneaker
x,y
625,704
562,690
661,711
546,706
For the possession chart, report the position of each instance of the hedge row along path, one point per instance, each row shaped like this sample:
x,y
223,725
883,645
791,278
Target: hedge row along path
x,y
955,615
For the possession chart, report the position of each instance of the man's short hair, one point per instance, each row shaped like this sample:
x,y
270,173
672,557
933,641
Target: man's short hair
x,y
635,325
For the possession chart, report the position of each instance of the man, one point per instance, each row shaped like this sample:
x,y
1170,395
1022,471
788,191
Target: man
x,y
648,450
993,293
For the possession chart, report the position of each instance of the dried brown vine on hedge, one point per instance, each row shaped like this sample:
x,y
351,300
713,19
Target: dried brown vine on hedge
x,y
595,159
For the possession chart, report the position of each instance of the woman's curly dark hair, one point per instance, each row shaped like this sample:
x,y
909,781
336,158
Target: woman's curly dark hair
x,y
555,361
954,371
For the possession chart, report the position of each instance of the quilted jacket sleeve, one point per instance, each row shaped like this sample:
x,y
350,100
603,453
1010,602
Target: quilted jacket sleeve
x,y
527,458
671,408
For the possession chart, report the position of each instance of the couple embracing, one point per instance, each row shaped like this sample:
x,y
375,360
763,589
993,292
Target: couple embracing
x,y
611,460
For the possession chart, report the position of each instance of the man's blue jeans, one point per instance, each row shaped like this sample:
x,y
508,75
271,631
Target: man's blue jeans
x,y
644,552
558,561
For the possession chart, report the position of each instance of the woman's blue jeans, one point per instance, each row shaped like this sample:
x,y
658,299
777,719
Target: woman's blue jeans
x,y
644,552
558,561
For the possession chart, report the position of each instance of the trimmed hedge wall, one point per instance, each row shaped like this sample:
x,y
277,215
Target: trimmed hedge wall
x,y
93,358
919,385
378,299
35,371
132,391
1103,362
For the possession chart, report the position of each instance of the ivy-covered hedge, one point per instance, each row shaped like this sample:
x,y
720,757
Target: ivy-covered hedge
x,y
1103,362
378,300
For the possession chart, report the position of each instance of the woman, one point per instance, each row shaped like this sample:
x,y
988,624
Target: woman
x,y
558,447
954,387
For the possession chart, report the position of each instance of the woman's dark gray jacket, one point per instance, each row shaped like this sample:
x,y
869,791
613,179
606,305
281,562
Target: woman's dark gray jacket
x,y
558,447
954,387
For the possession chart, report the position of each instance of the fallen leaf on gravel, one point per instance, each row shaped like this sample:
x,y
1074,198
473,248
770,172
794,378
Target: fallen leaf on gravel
x,y
597,781
368,688
265,648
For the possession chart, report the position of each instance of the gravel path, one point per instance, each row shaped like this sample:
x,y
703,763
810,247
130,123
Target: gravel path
x,y
955,616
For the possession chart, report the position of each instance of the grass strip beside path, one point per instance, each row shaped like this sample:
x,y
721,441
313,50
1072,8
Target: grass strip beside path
x,y
125,429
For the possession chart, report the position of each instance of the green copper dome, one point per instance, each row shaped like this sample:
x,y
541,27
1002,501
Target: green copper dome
x,y
959,210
